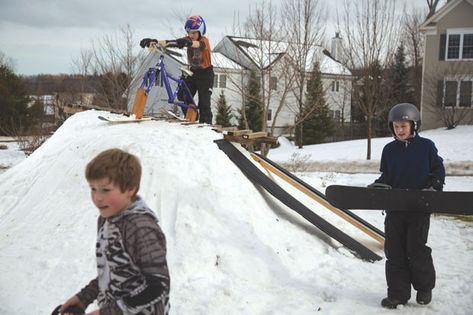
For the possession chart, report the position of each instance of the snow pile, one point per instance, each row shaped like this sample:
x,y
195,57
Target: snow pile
x,y
231,249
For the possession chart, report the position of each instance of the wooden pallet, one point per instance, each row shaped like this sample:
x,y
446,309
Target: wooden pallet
x,y
248,137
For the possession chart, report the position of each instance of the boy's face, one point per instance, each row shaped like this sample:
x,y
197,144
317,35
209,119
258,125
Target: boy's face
x,y
108,198
402,129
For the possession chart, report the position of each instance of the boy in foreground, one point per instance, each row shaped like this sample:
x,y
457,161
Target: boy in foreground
x,y
132,270
411,162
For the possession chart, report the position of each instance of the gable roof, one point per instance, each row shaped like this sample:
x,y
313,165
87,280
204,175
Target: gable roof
x,y
262,54
443,11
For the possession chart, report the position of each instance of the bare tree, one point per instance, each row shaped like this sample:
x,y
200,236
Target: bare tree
x,y
432,4
303,22
113,63
370,38
412,20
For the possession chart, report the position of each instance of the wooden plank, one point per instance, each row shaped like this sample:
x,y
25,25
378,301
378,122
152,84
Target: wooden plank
x,y
254,135
318,199
239,132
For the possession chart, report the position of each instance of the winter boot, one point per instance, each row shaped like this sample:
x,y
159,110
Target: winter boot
x,y
424,297
391,303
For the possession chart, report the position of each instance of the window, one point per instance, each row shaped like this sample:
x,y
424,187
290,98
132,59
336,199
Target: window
x,y
220,81
270,114
467,46
223,81
457,92
459,44
450,93
335,86
465,93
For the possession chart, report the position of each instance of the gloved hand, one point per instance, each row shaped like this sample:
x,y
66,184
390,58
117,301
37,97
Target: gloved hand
x,y
436,183
145,42
183,42
74,309
379,186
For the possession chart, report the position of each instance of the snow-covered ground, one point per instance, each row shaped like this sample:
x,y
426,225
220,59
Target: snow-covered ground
x,y
10,154
232,249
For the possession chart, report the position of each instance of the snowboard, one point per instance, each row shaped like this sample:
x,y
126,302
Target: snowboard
x,y
448,202
173,115
124,119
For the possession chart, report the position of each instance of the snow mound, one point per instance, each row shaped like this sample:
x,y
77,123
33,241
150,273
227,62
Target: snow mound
x,y
231,249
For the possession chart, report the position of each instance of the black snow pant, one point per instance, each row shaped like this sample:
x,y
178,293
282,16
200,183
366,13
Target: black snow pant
x,y
201,82
408,258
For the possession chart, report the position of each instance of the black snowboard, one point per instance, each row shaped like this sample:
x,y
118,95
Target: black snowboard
x,y
351,197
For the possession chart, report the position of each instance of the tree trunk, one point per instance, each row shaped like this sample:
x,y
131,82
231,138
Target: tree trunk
x,y
368,149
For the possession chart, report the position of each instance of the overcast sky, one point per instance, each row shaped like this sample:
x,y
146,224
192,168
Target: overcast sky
x,y
44,36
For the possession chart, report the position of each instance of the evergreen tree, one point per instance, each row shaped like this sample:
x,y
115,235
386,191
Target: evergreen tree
x,y
224,111
398,80
253,104
13,100
317,124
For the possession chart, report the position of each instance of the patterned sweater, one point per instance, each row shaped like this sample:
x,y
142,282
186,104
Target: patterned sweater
x,y
133,276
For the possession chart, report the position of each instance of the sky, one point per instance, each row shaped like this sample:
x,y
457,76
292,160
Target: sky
x,y
232,248
46,36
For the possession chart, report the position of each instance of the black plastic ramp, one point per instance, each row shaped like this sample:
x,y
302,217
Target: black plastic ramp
x,y
256,176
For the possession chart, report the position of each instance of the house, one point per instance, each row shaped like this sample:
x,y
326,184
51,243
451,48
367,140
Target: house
x,y
271,58
447,79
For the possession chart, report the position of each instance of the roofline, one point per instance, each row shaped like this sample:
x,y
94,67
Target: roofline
x,y
241,50
450,5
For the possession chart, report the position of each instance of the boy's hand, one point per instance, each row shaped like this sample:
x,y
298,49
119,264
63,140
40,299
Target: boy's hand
x,y
145,42
72,306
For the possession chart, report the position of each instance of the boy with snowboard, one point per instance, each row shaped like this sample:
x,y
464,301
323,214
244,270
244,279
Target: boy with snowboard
x,y
411,162
133,276
199,60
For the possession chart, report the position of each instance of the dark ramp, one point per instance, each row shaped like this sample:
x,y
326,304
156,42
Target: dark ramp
x,y
256,176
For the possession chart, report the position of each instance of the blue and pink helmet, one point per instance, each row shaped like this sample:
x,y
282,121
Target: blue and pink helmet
x,y
195,23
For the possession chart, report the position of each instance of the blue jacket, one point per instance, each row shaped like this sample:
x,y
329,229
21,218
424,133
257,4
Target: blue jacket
x,y
410,164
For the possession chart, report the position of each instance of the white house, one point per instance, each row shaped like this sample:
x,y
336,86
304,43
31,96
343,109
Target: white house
x,y
252,54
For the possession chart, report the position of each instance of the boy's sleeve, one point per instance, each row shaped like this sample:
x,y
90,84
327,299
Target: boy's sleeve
x,y
89,293
146,244
382,168
437,169
179,42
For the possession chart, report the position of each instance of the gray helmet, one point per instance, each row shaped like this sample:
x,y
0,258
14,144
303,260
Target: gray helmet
x,y
404,112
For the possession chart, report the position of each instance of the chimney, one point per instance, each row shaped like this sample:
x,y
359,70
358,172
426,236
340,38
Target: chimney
x,y
336,45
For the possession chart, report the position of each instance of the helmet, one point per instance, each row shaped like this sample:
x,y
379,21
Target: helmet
x,y
195,23
404,112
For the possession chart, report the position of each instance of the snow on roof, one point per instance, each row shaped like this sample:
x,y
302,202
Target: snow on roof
x,y
221,61
263,58
328,65
273,50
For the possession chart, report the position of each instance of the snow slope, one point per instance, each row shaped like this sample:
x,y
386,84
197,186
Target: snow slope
x,y
231,248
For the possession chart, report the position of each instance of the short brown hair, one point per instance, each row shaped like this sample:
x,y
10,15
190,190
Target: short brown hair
x,y
122,168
